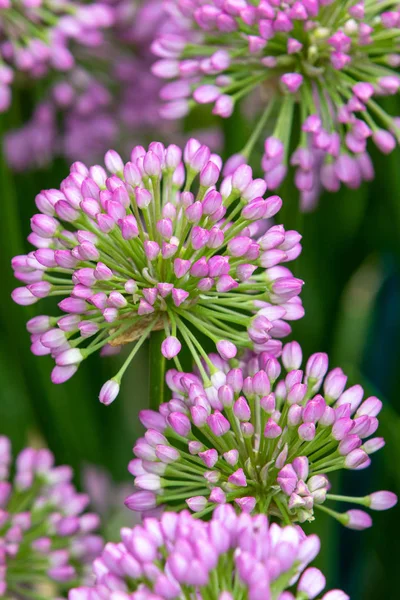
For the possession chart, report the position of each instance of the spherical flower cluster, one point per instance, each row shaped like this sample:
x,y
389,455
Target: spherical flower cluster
x,y
257,439
331,60
109,98
226,558
35,37
142,252
44,532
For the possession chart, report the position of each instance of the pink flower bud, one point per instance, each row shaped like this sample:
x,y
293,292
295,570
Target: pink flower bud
x,y
357,519
246,503
113,162
357,459
179,423
238,478
317,366
272,430
197,503
292,81
44,225
73,356
171,347
384,140
218,424
306,432
167,454
226,349
335,594
292,356
141,501
373,445
109,392
311,583
205,94
382,500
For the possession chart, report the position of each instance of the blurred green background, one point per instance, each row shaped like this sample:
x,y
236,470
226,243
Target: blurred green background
x,y
351,266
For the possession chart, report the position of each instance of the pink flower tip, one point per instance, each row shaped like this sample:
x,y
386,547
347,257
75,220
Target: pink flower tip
x,y
226,349
247,503
384,140
292,81
141,501
171,347
312,582
62,374
197,503
335,595
109,392
357,519
382,500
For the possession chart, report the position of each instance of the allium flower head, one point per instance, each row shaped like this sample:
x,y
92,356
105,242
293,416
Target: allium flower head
x,y
227,558
35,37
44,532
155,244
333,60
262,438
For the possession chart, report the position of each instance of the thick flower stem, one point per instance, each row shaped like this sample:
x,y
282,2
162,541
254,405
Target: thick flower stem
x,y
157,370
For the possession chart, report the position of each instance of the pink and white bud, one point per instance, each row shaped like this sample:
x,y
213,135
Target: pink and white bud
x,y
197,503
384,140
226,349
381,500
109,392
311,583
171,347
357,519
141,501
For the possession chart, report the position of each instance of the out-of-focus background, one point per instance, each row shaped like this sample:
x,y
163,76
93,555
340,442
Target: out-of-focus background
x,y
351,266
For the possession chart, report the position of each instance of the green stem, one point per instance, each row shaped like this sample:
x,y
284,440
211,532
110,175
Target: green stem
x,y
157,370
247,150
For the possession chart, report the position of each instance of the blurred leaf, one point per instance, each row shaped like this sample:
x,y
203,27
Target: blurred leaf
x,y
365,576
66,414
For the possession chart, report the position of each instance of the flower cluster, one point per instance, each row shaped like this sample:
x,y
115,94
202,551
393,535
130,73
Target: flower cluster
x,y
259,440
107,99
35,37
332,60
44,532
142,252
228,557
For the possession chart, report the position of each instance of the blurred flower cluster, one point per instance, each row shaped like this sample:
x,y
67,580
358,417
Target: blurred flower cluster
x,y
47,540
331,60
36,35
108,97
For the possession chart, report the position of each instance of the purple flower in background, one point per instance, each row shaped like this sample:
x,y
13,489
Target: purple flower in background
x,y
261,438
35,37
107,499
156,244
45,533
230,557
328,63
34,144
106,496
107,98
